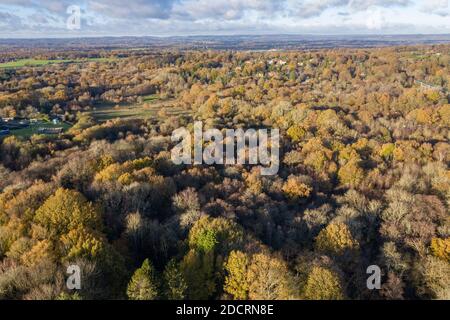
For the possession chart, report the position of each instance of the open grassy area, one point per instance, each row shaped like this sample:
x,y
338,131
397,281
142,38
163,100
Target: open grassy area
x,y
33,128
36,62
148,109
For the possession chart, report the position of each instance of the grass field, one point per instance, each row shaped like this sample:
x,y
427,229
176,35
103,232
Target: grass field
x,y
33,129
108,111
36,62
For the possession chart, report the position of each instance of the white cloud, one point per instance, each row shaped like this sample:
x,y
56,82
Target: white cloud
x,y
169,17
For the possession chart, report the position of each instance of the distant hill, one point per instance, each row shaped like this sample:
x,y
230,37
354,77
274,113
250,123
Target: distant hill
x,y
238,42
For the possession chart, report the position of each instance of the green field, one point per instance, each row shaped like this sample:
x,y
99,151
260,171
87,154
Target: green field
x,y
108,111
36,62
33,129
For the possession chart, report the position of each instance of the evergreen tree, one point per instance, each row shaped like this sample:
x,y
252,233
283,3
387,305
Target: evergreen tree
x,y
175,284
143,284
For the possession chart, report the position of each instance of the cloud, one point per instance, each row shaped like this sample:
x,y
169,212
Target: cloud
x,y
314,8
171,17
226,9
132,9
54,6
10,21
438,7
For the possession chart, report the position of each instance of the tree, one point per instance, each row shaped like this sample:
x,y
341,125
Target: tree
x,y
268,278
295,189
236,282
66,210
143,285
219,233
351,173
441,248
432,278
322,284
175,284
82,243
336,238
198,270
296,133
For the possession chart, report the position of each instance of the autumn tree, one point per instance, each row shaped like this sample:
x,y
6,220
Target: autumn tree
x,y
236,283
268,278
66,210
174,282
143,284
323,284
336,238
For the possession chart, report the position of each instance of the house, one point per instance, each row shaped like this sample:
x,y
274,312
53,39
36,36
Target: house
x,y
429,86
50,130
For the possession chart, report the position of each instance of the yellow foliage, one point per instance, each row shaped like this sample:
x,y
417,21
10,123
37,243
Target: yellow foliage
x,y
444,113
387,150
336,238
441,248
424,116
104,162
351,173
323,284
116,170
67,210
40,252
125,179
296,133
110,173
295,189
236,281
81,243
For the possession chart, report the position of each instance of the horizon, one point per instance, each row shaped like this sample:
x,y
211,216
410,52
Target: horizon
x,y
230,35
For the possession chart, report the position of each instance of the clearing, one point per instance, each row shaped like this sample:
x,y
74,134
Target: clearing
x,y
149,108
37,62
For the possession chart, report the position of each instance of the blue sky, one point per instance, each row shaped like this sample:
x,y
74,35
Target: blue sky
x,y
48,18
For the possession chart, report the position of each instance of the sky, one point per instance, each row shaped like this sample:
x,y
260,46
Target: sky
x,y
87,18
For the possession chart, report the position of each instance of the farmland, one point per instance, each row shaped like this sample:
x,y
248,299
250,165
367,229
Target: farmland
x,y
151,107
40,62
33,128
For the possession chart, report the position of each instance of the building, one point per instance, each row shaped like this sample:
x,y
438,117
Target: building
x,y
50,130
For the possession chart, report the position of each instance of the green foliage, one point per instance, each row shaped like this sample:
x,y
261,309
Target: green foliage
x,y
69,296
198,270
387,151
175,284
206,240
210,232
143,284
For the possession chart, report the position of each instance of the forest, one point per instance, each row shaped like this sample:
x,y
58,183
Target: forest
x,y
364,175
